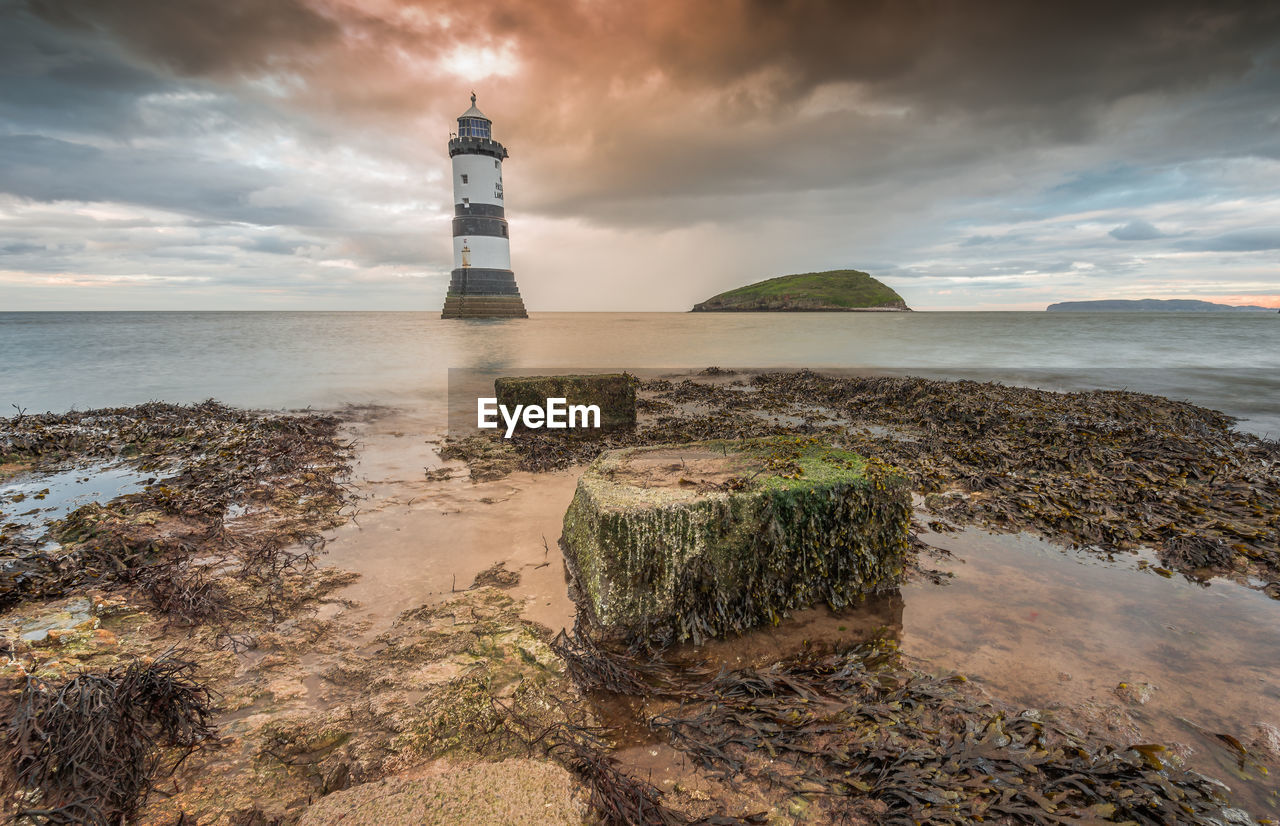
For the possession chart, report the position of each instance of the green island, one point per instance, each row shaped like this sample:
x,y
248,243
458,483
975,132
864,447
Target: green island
x,y
830,291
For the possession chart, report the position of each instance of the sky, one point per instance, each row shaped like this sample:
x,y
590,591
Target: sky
x,y
291,154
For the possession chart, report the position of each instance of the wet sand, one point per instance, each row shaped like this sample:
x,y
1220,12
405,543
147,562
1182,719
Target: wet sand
x,y
1035,623
414,539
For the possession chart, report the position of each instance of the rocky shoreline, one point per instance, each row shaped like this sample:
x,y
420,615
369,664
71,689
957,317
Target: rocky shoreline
x,y
315,713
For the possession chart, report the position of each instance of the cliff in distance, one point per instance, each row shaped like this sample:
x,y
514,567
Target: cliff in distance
x,y
1172,305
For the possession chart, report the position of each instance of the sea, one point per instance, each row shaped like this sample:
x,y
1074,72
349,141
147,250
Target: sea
x,y
58,361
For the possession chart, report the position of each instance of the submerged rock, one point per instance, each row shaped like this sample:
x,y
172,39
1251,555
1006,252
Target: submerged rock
x,y
498,576
613,393
679,542
1135,693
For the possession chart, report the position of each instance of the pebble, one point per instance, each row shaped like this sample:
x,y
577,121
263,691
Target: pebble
x,y
1137,693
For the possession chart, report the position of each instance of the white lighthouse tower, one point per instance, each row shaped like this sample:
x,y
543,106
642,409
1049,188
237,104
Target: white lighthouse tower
x,y
483,285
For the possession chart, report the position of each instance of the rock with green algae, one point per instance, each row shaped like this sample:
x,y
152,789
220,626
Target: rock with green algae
x,y
680,542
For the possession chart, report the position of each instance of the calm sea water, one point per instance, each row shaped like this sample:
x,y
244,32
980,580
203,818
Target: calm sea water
x,y
59,361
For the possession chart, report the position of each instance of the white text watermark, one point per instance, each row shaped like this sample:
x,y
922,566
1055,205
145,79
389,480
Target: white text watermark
x,y
557,414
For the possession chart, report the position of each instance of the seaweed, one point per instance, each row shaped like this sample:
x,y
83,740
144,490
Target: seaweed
x,y
871,738
209,460
879,739
617,797
1102,469
184,593
88,750
594,667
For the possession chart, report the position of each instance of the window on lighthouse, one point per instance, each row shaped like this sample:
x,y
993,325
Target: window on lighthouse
x,y
464,179
473,128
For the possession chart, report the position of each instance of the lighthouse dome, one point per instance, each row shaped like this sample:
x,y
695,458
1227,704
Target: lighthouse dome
x,y
473,123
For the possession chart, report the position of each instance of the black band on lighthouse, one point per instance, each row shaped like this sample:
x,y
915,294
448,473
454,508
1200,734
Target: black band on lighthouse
x,y
483,210
477,146
470,225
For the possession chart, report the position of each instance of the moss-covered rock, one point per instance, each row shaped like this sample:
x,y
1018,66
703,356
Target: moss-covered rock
x,y
677,542
615,393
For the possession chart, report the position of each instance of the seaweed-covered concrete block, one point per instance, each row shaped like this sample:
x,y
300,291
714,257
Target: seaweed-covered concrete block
x,y
615,393
676,542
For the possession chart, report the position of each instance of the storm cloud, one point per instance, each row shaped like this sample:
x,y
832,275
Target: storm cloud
x,y
291,153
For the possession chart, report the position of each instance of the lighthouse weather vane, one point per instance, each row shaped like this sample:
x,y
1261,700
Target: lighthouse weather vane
x,y
482,284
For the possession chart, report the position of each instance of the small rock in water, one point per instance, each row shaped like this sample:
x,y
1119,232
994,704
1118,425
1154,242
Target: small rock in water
x,y
498,576
105,639
1266,739
1136,693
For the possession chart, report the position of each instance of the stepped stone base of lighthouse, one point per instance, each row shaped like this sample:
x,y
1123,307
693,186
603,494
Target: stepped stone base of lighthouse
x,y
476,292
483,306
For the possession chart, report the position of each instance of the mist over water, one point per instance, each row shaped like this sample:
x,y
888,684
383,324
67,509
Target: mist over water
x,y
60,361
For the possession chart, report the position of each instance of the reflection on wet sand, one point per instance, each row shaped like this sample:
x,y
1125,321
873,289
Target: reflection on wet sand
x,y
417,539
1048,627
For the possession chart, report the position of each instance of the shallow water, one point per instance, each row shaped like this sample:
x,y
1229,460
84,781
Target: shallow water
x,y
57,361
1041,626
1049,627
28,503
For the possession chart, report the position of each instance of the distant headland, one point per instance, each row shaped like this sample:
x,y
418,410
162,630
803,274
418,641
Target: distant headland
x,y
1172,305
831,291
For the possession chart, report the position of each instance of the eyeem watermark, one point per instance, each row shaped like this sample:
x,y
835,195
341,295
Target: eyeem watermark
x,y
556,414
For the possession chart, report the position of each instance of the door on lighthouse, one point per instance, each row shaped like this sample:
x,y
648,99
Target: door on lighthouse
x,y
466,254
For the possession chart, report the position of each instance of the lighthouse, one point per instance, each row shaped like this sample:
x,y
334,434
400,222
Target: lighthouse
x,y
483,285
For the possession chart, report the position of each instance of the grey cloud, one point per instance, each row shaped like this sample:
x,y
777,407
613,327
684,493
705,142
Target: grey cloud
x,y
1136,231
47,169
1249,240
199,37
273,245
